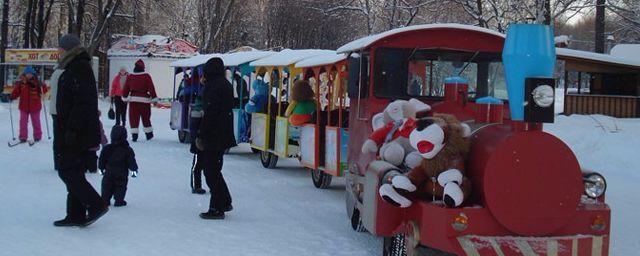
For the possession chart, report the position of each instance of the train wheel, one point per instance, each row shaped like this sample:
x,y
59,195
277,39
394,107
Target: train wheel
x,y
183,136
356,221
321,179
394,246
268,159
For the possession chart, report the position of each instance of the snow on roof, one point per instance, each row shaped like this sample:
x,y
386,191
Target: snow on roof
x,y
287,57
239,58
194,61
599,57
229,59
366,41
627,51
152,46
561,39
321,60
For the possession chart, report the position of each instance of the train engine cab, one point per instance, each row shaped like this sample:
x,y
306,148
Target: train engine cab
x,y
524,191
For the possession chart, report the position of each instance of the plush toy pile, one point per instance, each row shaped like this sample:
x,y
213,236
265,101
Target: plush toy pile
x,y
434,148
391,130
258,103
302,104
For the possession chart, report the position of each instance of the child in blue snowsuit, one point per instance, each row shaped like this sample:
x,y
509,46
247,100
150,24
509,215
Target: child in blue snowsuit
x,y
116,159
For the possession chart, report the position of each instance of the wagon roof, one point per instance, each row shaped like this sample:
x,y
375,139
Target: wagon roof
x,y
564,53
194,61
229,59
322,60
369,40
287,57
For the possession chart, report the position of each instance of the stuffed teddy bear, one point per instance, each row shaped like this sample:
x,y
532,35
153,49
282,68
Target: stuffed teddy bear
x,y
302,104
442,142
258,103
392,128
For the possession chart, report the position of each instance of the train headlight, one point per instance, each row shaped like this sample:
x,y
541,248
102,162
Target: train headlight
x,y
594,185
543,95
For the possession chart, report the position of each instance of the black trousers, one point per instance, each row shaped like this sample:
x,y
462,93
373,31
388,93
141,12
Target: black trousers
x,y
220,197
196,172
121,110
114,185
81,196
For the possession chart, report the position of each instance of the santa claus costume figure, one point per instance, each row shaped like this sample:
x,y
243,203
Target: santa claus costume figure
x,y
140,93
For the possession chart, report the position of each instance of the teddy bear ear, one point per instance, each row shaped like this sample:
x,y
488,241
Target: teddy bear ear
x,y
419,106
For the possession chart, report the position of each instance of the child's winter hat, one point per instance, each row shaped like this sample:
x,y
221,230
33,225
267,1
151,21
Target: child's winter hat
x,y
29,70
118,134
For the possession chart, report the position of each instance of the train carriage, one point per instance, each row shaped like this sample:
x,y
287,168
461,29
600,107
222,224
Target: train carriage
x,y
239,73
270,129
529,194
323,147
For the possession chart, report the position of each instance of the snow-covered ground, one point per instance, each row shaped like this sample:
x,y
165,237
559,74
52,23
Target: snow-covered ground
x,y
276,212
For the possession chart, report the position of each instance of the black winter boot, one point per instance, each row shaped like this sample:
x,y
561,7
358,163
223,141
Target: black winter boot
x,y
212,215
120,203
149,135
199,191
68,222
134,137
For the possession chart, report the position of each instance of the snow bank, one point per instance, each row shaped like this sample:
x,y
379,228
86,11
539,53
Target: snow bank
x,y
609,146
628,51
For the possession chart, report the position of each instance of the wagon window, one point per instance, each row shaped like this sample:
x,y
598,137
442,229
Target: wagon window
x,y
405,73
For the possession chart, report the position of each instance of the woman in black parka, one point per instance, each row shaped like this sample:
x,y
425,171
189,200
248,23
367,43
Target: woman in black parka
x,y
216,135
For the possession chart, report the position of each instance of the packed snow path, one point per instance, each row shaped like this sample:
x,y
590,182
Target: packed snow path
x,y
276,212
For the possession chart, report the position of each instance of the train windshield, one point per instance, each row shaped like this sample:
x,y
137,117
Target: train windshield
x,y
422,73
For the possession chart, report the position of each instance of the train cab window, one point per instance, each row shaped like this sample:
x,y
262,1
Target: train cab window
x,y
358,76
405,73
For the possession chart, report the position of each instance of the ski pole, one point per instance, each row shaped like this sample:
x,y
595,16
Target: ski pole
x,y
13,133
46,119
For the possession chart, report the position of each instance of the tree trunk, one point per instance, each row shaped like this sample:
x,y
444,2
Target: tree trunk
x,y
481,21
4,33
79,18
70,22
547,12
600,5
40,29
27,26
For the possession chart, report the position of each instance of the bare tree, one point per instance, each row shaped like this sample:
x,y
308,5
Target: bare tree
x,y
107,11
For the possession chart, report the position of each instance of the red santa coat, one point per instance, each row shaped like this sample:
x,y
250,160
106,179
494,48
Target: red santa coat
x,y
379,136
139,88
30,94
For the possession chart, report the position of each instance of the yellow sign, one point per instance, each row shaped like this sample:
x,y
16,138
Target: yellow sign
x,y
32,55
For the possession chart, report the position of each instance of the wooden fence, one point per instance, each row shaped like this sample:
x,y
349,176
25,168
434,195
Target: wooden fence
x,y
610,105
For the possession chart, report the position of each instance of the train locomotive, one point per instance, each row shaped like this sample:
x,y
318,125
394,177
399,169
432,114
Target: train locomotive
x,y
529,195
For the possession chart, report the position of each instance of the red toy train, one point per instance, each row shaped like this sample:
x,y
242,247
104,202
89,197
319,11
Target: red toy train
x,y
530,196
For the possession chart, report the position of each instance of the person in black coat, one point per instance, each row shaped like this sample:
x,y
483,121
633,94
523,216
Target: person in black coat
x,y
75,132
116,159
216,135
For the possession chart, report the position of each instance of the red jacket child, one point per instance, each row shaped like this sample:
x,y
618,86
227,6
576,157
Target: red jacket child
x,y
30,92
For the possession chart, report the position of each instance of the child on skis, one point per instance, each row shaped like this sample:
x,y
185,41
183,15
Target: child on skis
x,y
116,159
30,90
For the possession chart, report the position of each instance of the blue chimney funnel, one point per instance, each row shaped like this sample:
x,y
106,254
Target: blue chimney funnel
x,y
529,51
